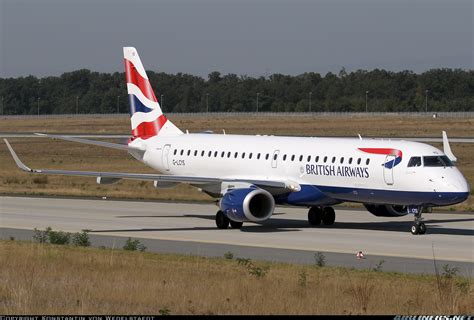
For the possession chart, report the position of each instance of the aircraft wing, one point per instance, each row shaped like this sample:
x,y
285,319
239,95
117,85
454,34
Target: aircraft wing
x,y
274,187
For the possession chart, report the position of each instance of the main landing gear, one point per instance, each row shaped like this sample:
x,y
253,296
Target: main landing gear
x,y
326,215
418,226
222,222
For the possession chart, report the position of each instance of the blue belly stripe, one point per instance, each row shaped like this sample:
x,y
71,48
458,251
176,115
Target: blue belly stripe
x,y
327,195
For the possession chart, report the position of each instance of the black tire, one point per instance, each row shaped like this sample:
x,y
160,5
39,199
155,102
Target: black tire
x,y
315,216
329,216
235,224
422,228
222,222
415,229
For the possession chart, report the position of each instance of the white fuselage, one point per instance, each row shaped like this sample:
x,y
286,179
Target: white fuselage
x,y
337,167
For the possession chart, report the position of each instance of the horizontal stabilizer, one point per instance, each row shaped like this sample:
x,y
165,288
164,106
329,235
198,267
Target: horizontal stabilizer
x,y
87,141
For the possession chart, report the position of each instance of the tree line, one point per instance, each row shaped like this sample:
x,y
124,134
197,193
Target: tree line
x,y
84,91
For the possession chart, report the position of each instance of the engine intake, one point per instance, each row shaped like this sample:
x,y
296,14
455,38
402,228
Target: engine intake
x,y
247,204
386,210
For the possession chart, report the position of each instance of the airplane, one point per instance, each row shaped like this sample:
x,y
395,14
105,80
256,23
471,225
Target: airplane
x,y
251,174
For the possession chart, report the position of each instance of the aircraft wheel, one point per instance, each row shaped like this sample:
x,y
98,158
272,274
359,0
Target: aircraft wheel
x,y
422,228
329,216
315,216
222,222
235,224
415,229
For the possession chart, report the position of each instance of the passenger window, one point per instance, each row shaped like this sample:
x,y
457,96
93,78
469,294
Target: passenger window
x,y
358,161
250,155
309,159
317,159
293,158
228,154
284,157
325,159
266,156
243,155
236,155
367,162
209,154
275,156
189,153
195,152
333,159
258,156
350,160
342,160
222,154
175,151
202,153
301,158
182,151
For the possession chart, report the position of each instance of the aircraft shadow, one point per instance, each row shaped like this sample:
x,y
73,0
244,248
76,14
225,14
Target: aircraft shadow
x,y
200,216
260,229
155,229
394,226
291,225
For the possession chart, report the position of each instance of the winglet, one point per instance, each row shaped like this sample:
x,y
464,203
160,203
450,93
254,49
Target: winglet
x,y
447,148
20,164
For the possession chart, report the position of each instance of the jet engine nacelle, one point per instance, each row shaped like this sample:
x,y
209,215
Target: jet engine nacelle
x,y
386,210
247,204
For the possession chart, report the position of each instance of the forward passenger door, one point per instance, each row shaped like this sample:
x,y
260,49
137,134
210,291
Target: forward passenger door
x,y
388,169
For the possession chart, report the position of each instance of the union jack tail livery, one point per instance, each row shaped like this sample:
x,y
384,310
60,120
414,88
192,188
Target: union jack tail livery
x,y
147,119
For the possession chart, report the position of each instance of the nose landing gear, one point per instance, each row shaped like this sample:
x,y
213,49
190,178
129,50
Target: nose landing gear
x,y
418,226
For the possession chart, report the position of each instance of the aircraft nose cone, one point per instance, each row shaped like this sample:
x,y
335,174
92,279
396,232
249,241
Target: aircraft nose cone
x,y
462,185
462,196
461,189
457,190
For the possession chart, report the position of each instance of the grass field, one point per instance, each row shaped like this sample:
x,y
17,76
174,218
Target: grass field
x,y
305,126
45,153
49,279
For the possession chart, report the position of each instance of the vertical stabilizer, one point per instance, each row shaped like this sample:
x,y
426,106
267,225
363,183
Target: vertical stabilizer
x,y
147,119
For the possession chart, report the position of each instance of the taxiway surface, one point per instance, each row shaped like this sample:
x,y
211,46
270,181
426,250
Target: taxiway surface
x,y
189,228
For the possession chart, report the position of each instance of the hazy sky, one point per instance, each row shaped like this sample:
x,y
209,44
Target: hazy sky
x,y
46,37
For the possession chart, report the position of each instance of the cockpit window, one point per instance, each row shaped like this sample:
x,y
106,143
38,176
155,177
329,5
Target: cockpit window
x,y
414,162
437,161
